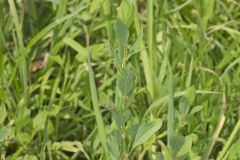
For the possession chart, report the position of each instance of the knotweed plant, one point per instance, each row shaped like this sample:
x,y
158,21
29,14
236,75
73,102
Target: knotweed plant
x,y
168,90
127,132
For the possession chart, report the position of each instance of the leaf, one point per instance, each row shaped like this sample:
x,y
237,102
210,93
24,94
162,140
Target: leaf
x,y
3,114
81,55
39,121
121,119
57,59
234,151
5,132
23,137
191,94
114,144
149,142
113,150
184,106
166,152
186,146
176,142
132,129
114,55
96,4
126,12
147,130
159,156
136,45
122,32
196,109
30,157
126,82
68,146
23,117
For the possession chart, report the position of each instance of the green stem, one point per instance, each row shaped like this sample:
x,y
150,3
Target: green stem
x,y
144,57
150,31
97,111
107,16
23,65
170,122
2,75
229,141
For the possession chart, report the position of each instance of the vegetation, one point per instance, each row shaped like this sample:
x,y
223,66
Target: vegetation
x,y
112,79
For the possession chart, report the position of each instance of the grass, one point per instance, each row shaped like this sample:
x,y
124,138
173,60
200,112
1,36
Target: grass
x,y
120,80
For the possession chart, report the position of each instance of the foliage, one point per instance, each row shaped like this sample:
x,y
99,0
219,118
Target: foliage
x,y
111,79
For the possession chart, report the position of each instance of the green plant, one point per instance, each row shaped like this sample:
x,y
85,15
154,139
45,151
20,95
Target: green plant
x,y
111,79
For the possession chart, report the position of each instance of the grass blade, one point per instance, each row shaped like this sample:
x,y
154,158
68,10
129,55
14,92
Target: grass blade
x,y
171,112
99,119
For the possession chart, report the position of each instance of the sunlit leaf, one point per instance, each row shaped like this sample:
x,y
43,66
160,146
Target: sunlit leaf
x,y
126,12
39,121
5,133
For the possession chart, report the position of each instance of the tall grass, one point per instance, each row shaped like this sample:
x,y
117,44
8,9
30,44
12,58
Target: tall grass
x,y
119,80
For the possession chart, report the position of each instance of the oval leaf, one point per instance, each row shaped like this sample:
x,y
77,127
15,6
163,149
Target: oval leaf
x,y
184,106
126,12
176,142
147,130
122,32
39,121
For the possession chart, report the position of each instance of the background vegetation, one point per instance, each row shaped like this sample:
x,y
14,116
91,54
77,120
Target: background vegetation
x,y
111,79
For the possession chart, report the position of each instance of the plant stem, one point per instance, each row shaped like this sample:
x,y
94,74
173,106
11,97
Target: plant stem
x,y
170,121
229,141
144,57
107,15
150,30
23,65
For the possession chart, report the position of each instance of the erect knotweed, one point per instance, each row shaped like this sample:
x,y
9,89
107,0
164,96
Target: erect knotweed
x,y
126,131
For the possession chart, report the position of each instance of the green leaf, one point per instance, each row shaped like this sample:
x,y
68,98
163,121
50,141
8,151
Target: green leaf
x,y
5,132
234,151
121,119
23,117
159,156
81,55
126,12
196,109
191,94
136,45
95,6
3,114
114,150
114,144
147,130
30,157
126,82
39,121
23,137
132,130
186,146
20,158
57,59
69,146
167,153
176,142
184,106
122,32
